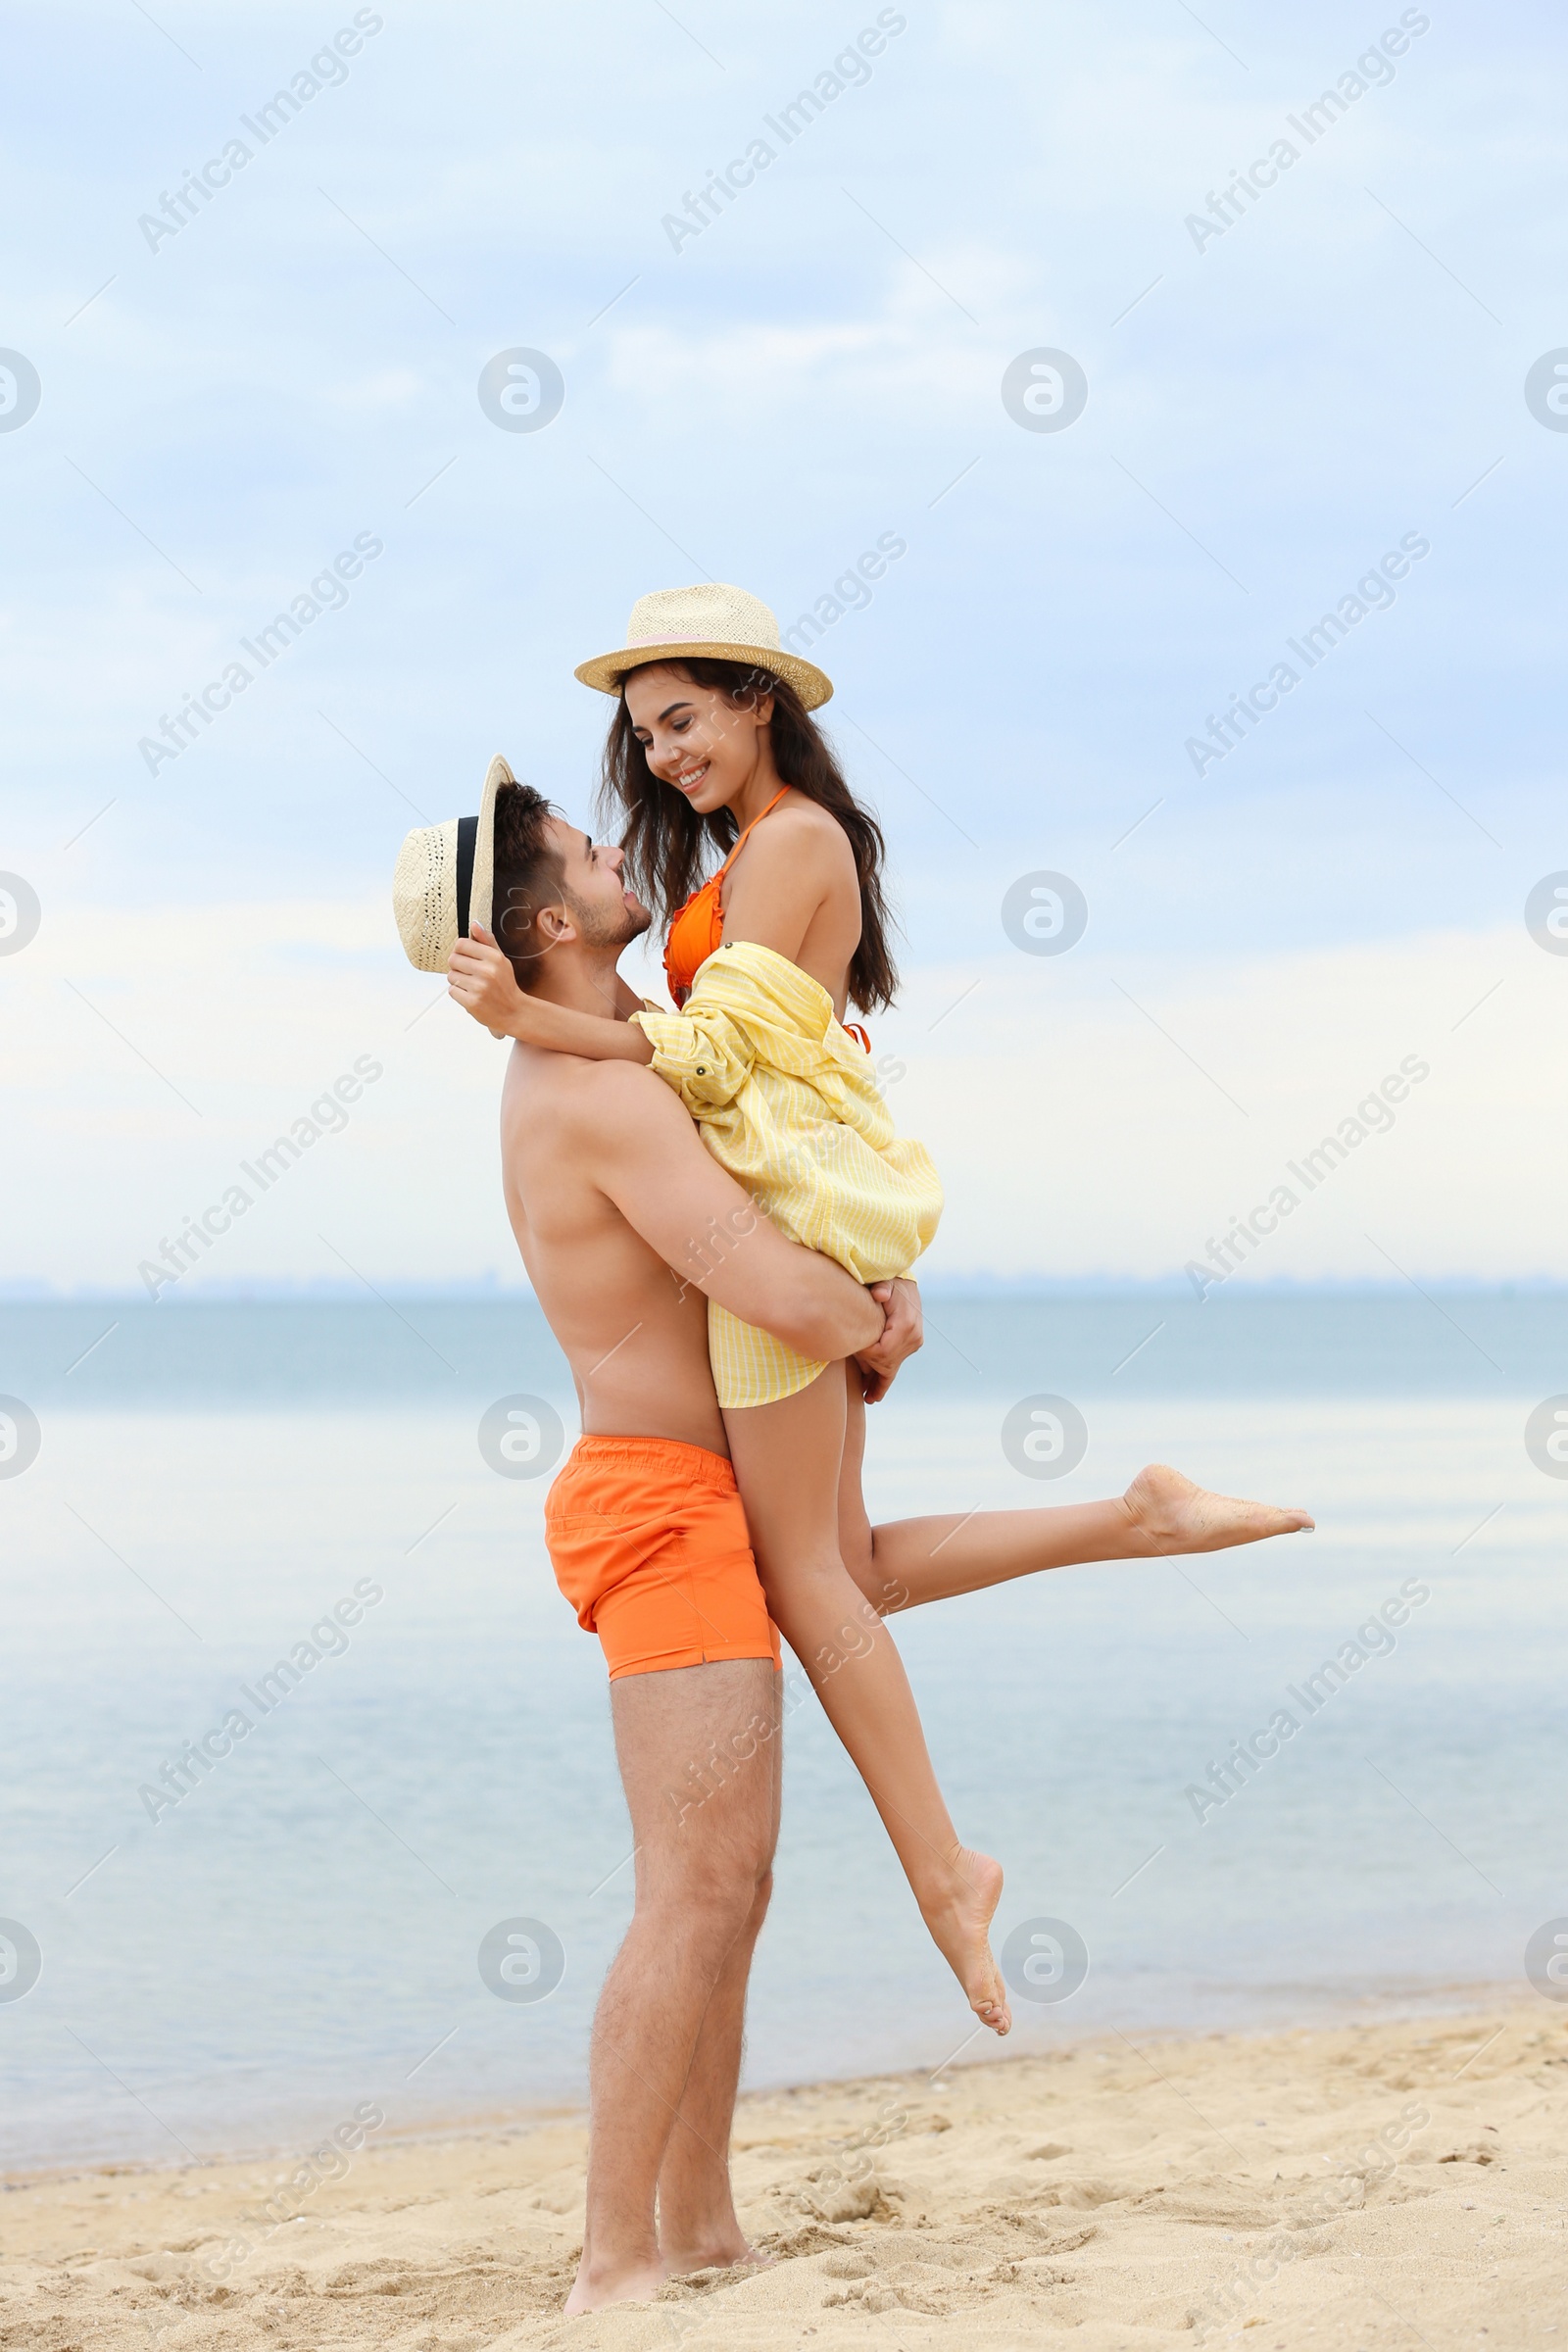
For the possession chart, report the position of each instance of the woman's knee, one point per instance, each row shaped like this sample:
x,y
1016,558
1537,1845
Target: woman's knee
x,y
811,1589
857,1550
830,1631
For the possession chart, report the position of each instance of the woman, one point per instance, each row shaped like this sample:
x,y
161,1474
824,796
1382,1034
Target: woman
x,y
711,746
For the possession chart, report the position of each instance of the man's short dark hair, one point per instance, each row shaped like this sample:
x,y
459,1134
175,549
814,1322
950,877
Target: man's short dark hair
x,y
530,875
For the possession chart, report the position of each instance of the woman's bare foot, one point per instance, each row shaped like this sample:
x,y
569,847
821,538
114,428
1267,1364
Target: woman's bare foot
x,y
600,2284
960,1920
1175,1517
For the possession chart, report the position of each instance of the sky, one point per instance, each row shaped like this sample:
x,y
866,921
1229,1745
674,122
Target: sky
x,y
1329,393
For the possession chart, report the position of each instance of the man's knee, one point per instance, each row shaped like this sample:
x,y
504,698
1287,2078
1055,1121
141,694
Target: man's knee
x,y
703,1911
719,1869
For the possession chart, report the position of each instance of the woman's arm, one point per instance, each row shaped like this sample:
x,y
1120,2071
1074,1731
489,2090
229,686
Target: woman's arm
x,y
777,888
484,983
794,888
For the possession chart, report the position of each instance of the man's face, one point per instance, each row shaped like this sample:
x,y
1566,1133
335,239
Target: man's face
x,y
604,912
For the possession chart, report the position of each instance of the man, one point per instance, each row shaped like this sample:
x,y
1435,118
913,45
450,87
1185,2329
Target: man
x,y
628,1226
608,1187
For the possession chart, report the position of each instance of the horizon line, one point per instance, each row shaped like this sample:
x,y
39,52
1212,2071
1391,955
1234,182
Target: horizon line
x,y
329,1290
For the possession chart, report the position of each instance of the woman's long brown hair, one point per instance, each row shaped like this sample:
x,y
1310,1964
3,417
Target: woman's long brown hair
x,y
669,845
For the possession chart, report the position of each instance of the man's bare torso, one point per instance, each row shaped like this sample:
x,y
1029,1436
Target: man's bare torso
x,y
635,1337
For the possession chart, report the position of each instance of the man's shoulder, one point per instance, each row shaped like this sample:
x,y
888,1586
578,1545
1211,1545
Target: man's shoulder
x,y
600,1101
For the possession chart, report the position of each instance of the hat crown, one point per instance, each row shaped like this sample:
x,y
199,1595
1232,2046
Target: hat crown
x,y
444,880
710,610
424,902
712,620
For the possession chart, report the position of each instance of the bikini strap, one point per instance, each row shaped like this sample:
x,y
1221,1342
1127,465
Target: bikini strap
x,y
750,828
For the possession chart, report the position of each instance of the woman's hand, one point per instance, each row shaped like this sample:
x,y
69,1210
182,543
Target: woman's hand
x,y
483,982
903,1334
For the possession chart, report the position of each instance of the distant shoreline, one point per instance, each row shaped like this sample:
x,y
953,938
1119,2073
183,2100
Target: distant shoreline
x,y
1330,2013
982,1288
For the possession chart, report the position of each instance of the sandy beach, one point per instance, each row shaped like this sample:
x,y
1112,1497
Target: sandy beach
x,y
1389,2183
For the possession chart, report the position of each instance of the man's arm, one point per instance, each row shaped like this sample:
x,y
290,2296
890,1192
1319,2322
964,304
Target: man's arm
x,y
647,1156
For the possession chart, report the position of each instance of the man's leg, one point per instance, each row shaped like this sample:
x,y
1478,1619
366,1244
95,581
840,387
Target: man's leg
x,y
1161,1516
697,2224
700,1866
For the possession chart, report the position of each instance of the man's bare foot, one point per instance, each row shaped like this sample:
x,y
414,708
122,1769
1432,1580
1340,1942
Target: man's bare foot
x,y
960,1920
1175,1517
600,2284
732,2254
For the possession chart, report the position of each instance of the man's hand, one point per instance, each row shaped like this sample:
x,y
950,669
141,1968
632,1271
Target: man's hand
x,y
901,1333
483,982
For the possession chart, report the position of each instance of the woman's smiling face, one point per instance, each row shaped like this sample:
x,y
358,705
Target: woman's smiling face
x,y
694,739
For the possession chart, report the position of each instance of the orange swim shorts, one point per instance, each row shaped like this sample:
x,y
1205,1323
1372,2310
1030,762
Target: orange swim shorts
x,y
649,1543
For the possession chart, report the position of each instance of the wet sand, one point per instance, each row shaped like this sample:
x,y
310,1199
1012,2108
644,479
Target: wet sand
x,y
1390,2185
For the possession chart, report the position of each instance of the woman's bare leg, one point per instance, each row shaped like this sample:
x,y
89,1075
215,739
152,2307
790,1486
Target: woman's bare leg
x,y
787,1460
906,1561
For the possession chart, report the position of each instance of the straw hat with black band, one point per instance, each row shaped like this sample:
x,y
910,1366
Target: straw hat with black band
x,y
445,877
712,621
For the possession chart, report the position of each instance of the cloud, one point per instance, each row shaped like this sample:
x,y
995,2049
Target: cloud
x,y
219,418
1090,1114
1115,1115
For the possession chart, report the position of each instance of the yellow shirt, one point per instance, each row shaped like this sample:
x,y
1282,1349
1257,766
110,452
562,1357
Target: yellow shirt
x,y
787,1102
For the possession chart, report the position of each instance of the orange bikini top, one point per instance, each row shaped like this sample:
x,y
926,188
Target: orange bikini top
x,y
696,929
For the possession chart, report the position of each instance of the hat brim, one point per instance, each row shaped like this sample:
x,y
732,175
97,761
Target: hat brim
x,y
481,890
607,672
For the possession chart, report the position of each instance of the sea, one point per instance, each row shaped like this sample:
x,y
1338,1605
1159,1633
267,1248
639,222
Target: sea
x,y
402,1880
